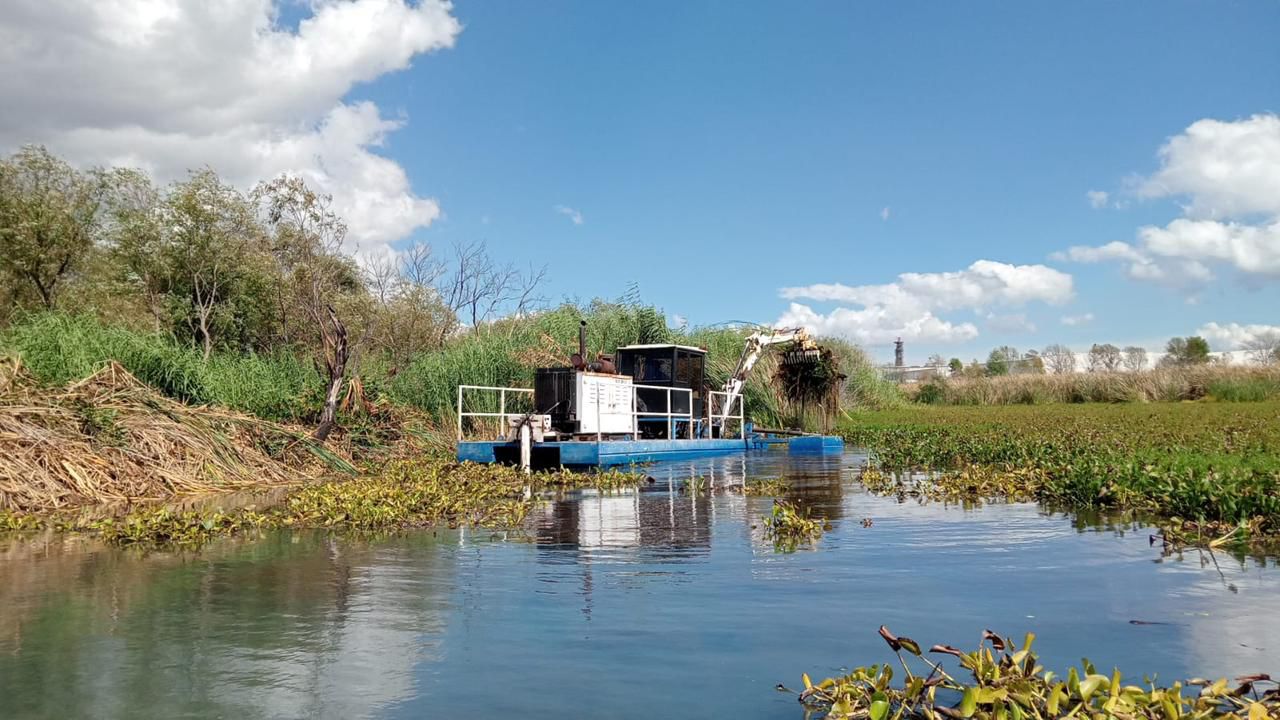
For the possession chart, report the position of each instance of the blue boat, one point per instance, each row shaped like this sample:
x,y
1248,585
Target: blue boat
x,y
652,404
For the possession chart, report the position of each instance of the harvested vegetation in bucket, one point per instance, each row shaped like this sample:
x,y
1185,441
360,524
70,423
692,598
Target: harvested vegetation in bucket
x,y
1007,681
111,438
808,376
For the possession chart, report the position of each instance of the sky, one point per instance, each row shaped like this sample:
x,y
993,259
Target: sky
x,y
961,175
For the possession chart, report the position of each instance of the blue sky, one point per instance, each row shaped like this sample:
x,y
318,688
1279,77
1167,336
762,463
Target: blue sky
x,y
719,151
716,153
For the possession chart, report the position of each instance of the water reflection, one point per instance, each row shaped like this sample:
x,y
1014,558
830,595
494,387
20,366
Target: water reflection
x,y
648,603
293,625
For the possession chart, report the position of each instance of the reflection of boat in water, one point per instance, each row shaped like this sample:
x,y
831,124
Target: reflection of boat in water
x,y
655,519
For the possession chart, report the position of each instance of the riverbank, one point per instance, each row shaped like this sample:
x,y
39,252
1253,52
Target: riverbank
x,y
1210,470
109,455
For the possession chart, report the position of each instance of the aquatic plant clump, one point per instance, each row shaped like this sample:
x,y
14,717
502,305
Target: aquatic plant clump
x,y
1008,682
404,494
765,487
1214,465
789,527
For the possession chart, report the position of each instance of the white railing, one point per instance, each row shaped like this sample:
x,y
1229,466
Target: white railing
x,y
502,413
726,413
723,415
669,415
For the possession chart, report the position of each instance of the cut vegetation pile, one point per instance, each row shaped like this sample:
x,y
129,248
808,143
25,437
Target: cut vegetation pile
x,y
110,438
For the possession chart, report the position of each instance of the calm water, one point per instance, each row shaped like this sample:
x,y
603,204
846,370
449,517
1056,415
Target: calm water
x,y
644,604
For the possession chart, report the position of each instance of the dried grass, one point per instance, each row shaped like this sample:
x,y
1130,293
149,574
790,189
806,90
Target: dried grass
x,y
1158,385
110,438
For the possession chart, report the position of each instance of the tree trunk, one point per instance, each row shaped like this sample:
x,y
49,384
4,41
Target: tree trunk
x,y
334,339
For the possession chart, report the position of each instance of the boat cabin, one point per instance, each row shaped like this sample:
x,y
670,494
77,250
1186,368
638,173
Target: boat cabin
x,y
669,380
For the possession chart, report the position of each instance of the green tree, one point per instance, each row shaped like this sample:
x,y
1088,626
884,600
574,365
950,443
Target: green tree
x,y
1192,350
956,365
314,277
136,241
49,219
218,284
997,363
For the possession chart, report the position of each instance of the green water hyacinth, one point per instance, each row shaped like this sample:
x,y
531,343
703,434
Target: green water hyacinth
x,y
1006,682
1214,465
789,527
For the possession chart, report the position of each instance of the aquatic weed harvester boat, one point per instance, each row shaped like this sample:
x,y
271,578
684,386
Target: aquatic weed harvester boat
x,y
645,403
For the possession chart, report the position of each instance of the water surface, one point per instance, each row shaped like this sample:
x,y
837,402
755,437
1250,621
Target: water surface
x,y
649,603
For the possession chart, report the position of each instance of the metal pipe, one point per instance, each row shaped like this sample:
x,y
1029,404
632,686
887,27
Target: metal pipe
x,y
582,340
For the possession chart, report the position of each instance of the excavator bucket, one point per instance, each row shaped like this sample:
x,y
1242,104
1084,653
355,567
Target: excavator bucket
x,y
801,356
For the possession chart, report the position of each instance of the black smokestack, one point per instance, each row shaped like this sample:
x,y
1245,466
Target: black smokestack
x,y
897,353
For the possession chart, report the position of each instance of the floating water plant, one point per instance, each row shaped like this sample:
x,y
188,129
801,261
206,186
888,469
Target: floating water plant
x,y
766,487
406,493
1214,465
1006,682
789,527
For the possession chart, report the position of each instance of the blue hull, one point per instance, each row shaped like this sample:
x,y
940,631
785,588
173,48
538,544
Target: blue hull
x,y
628,452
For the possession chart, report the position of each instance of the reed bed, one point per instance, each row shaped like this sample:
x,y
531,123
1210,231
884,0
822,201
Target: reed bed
x,y
112,438
1174,384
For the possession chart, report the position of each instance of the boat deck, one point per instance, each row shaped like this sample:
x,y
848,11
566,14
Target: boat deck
x,y
607,453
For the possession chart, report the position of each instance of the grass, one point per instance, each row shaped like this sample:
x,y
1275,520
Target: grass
x,y
1216,465
1006,680
284,386
1226,383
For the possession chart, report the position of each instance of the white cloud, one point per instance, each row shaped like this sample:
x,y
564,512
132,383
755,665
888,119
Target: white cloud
x,y
1228,169
1074,320
877,325
1249,248
884,213
909,306
1230,174
172,86
1234,335
1097,198
982,284
570,213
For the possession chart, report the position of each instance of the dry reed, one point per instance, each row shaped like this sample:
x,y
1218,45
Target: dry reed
x,y
110,438
1158,385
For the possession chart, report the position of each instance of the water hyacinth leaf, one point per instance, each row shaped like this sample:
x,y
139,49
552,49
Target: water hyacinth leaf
x,y
969,702
909,645
890,638
997,642
879,706
947,649
1090,685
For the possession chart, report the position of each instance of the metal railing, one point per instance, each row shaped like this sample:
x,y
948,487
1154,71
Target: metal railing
x,y
726,414
723,415
502,413
636,414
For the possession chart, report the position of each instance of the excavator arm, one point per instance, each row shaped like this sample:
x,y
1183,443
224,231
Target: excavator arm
x,y
752,351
